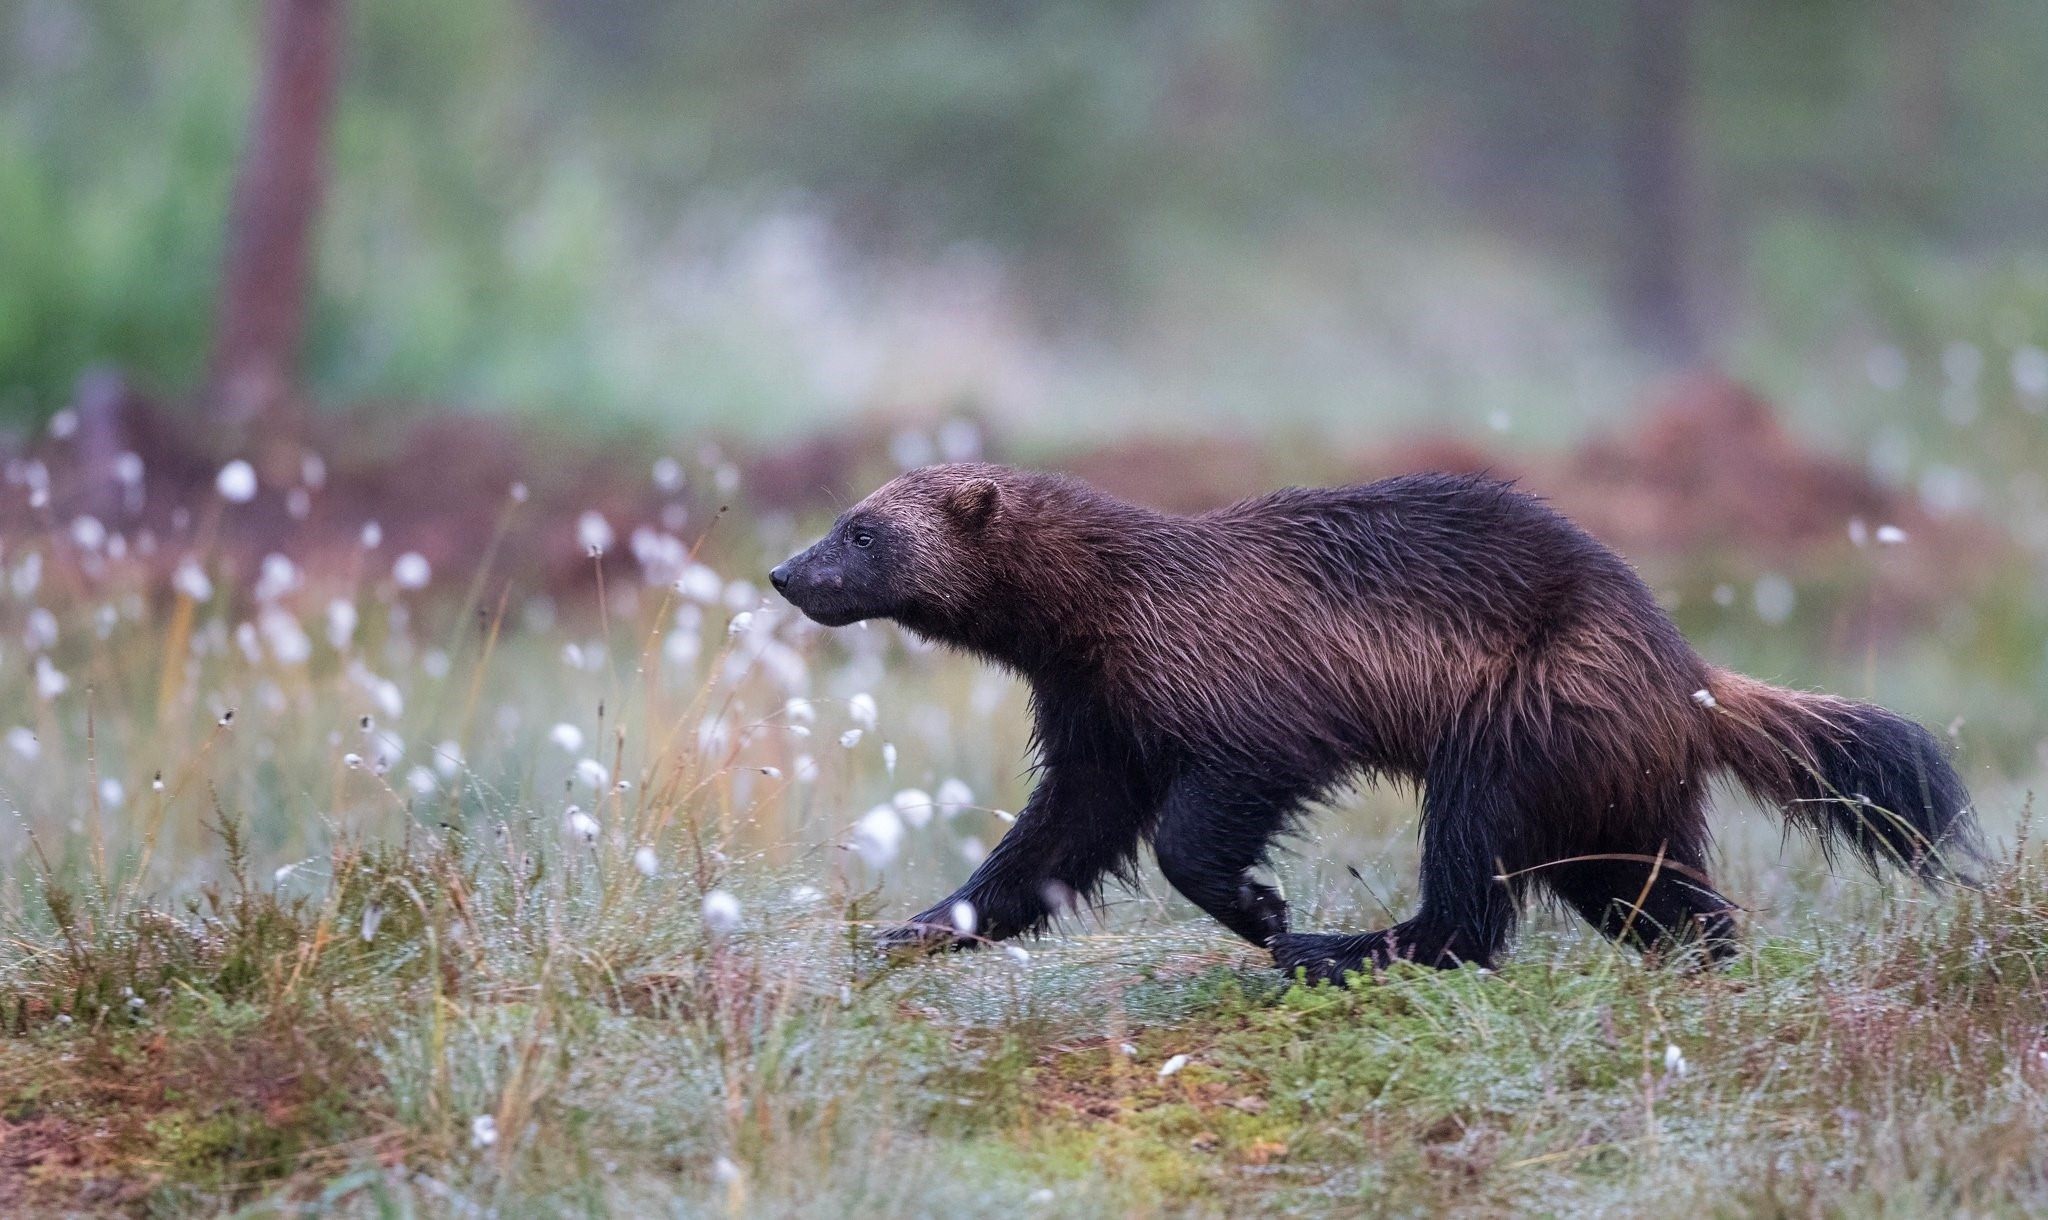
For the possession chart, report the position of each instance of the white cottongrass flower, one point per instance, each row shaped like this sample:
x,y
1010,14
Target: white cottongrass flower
x,y
87,533
668,474
861,709
965,918
421,780
681,647
50,681
889,757
287,640
112,793
483,1131
953,797
1705,698
448,759
352,760
592,772
1018,954
740,623
373,918
915,804
40,631
724,1171
1172,1065
1890,535
411,571
700,584
806,769
582,825
646,861
850,738
236,482
798,710
805,895
372,536
277,576
740,594
721,912
341,623
877,836
594,533
190,580
567,736
1674,1061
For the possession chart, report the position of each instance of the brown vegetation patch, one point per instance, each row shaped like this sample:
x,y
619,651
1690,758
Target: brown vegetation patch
x,y
1706,469
104,1118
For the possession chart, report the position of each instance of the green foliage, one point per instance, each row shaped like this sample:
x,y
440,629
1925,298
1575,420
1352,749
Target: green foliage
x,y
564,207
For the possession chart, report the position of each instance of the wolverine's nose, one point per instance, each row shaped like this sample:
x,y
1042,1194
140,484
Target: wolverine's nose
x,y
779,577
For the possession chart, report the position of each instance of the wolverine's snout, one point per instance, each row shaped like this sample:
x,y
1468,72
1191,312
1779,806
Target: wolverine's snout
x,y
816,585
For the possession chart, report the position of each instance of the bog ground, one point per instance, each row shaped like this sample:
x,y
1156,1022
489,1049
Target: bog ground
x,y
357,885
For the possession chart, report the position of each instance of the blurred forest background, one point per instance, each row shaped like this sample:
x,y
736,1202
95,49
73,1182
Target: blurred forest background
x,y
754,218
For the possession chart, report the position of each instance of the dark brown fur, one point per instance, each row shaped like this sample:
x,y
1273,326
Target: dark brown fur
x,y
1198,680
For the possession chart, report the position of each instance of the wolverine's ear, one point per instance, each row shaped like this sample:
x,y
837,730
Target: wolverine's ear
x,y
974,502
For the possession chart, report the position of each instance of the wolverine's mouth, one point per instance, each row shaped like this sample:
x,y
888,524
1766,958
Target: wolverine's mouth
x,y
826,611
826,617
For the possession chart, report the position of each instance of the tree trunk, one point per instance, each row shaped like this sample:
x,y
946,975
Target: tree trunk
x,y
279,183
1655,173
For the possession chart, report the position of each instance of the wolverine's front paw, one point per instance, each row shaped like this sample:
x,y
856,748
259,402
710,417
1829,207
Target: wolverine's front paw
x,y
1264,909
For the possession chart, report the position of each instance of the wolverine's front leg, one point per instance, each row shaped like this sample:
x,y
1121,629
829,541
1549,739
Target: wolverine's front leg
x,y
1212,833
1081,825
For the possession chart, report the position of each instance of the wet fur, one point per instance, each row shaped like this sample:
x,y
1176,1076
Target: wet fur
x,y
1197,681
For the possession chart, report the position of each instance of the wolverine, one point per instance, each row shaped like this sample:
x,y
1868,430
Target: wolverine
x,y
1198,681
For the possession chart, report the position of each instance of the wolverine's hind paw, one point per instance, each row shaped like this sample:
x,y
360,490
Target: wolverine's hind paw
x,y
919,936
1320,957
1323,957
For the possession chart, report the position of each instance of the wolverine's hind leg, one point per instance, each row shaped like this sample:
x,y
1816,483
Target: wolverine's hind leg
x,y
1654,902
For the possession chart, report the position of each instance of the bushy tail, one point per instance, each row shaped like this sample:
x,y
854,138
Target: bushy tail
x,y
1847,772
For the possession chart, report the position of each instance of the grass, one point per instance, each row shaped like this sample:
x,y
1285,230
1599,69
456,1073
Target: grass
x,y
352,954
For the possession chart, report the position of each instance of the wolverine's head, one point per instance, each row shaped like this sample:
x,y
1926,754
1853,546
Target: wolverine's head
x,y
916,551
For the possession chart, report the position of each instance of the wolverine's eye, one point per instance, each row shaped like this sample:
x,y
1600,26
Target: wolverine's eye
x,y
863,539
